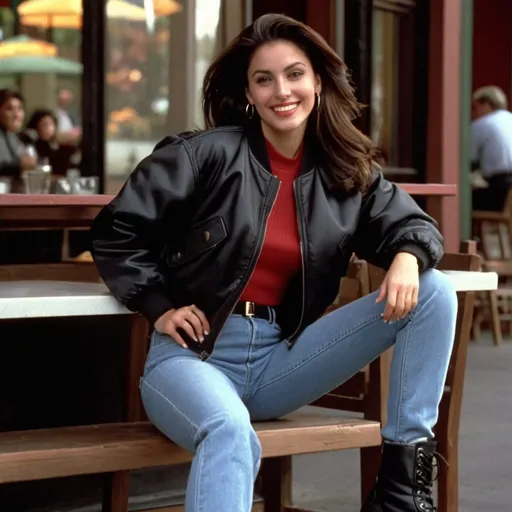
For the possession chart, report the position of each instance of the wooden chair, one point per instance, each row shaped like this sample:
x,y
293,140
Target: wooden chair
x,y
494,307
447,429
366,392
493,230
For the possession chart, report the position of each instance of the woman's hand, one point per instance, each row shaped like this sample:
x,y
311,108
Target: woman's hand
x,y
400,287
190,318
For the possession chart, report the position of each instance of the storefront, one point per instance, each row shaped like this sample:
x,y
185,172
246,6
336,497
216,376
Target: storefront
x,y
140,77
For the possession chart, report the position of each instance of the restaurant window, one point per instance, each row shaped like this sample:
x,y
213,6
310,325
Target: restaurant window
x,y
384,83
392,89
155,66
40,57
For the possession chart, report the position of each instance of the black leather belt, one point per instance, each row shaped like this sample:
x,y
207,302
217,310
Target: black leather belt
x,y
250,309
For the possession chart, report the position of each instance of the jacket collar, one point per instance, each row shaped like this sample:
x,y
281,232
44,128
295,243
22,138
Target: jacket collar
x,y
310,158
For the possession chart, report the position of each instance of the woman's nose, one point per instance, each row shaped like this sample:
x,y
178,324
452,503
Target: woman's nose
x,y
282,90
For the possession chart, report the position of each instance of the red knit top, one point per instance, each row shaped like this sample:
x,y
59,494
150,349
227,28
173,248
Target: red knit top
x,y
280,257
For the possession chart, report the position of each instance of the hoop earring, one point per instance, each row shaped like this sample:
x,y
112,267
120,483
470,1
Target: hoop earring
x,y
317,101
249,111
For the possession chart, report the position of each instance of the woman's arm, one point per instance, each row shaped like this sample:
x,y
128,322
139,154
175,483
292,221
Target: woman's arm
x,y
126,231
392,222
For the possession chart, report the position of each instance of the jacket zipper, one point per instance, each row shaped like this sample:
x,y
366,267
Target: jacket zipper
x,y
303,269
204,355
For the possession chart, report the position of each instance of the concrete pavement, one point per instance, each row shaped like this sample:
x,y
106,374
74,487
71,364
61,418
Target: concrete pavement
x,y
330,482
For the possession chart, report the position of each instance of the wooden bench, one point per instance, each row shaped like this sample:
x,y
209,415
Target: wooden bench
x,y
58,452
114,449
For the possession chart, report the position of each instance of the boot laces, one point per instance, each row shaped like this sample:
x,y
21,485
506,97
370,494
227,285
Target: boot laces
x,y
426,463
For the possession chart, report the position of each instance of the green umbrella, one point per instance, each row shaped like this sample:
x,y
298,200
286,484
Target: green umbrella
x,y
24,45
22,64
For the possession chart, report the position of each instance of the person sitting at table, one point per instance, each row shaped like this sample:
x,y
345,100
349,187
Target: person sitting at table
x,y
41,131
491,147
232,241
21,246
13,156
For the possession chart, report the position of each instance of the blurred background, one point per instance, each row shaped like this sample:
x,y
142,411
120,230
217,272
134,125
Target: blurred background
x,y
121,74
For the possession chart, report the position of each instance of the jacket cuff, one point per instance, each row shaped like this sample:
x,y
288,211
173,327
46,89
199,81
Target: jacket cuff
x,y
418,251
154,305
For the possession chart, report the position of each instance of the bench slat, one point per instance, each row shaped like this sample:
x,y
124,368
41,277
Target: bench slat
x,y
50,453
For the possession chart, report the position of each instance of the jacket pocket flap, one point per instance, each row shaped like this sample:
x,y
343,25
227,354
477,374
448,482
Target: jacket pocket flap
x,y
202,238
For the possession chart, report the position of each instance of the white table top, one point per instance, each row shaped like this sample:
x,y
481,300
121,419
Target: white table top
x,y
464,281
51,299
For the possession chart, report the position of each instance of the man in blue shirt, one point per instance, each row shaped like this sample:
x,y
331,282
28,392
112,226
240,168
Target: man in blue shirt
x,y
491,147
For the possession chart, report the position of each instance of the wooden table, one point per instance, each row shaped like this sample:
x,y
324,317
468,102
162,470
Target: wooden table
x,y
49,211
58,299
53,211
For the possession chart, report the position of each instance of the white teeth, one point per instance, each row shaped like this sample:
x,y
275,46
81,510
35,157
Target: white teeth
x,y
285,108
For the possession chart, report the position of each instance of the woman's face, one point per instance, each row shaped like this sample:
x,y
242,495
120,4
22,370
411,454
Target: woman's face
x,y
12,115
46,128
282,86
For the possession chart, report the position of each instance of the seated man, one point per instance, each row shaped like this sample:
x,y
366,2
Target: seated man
x,y
491,147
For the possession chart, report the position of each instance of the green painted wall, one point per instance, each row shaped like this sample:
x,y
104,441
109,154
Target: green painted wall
x,y
466,77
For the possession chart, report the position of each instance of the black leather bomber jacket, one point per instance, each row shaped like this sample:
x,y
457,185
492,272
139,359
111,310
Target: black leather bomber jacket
x,y
188,227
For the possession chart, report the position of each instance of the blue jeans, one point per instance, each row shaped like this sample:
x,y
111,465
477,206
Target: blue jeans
x,y
207,406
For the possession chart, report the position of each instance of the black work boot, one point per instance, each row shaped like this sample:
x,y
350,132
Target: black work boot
x,y
405,479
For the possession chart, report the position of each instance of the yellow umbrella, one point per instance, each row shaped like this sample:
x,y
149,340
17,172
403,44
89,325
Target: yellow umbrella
x,y
26,46
166,7
45,21
68,13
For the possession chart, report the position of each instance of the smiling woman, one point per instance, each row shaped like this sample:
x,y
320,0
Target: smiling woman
x,y
232,242
283,97
264,76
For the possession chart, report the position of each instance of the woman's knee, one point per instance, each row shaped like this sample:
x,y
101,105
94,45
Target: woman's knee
x,y
232,427
232,434
436,287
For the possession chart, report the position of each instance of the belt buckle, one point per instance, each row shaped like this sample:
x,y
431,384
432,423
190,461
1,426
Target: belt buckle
x,y
250,309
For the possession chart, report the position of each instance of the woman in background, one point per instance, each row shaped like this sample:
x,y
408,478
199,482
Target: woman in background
x,y
13,155
41,131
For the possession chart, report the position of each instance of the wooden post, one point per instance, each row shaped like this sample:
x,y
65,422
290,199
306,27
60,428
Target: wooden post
x,y
465,117
443,131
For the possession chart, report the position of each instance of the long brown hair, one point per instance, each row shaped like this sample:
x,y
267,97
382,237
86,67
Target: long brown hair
x,y
348,152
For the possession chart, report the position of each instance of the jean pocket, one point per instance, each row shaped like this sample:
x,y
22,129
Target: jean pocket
x,y
161,347
158,339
